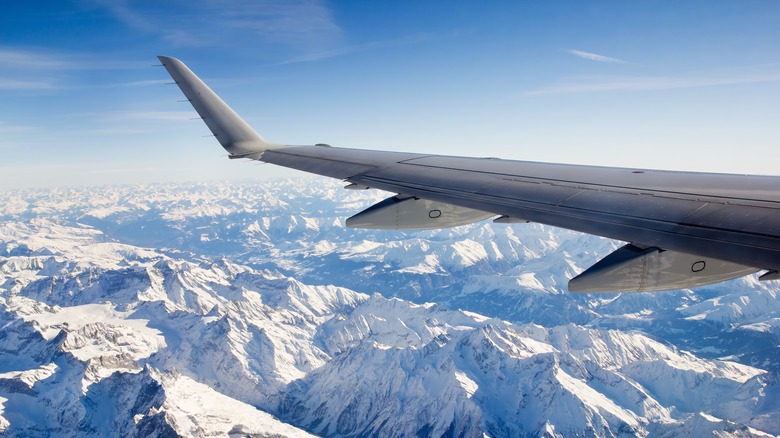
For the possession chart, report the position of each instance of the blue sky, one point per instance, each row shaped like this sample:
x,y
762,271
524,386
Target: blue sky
x,y
689,85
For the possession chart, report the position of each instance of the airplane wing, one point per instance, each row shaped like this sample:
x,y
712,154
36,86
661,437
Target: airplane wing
x,y
685,229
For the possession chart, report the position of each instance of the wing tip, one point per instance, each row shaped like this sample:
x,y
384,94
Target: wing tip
x,y
232,132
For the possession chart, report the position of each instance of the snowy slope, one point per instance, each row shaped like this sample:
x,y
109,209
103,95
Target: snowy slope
x,y
231,310
514,272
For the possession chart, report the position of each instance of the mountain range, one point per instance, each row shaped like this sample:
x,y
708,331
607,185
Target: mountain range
x,y
248,309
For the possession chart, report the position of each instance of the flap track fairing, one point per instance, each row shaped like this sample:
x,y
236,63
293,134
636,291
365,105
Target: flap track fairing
x,y
634,269
409,213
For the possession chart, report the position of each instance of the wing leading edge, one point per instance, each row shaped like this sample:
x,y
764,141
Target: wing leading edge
x,y
686,229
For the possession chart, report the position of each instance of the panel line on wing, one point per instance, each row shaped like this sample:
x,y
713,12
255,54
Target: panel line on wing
x,y
775,204
514,203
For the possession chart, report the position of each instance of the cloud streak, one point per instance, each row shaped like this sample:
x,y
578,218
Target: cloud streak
x,y
151,82
301,23
23,59
152,115
11,59
26,70
16,84
139,170
12,129
649,83
595,57
345,50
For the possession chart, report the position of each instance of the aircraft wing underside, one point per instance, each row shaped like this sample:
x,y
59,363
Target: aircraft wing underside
x,y
685,229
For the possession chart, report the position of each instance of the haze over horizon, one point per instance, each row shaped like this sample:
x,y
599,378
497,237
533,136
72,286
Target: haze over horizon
x,y
683,86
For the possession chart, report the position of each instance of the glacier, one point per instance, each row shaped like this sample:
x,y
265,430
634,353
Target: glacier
x,y
248,309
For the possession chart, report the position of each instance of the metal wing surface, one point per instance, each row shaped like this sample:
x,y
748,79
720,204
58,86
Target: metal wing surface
x,y
685,229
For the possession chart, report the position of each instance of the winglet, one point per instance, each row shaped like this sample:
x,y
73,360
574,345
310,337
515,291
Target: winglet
x,y
233,133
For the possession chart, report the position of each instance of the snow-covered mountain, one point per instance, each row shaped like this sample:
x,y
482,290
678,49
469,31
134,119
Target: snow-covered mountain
x,y
248,309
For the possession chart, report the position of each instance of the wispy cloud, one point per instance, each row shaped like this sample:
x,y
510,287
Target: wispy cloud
x,y
595,57
356,48
12,129
42,60
152,115
139,170
16,84
649,83
26,59
26,170
292,22
26,70
151,82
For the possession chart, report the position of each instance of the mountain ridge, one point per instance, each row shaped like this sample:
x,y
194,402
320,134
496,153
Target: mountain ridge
x,y
123,306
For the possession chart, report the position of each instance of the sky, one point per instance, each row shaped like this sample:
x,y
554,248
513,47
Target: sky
x,y
684,85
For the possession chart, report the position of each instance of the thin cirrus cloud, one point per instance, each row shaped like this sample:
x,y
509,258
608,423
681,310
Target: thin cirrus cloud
x,y
13,128
24,59
595,57
16,84
649,83
29,70
151,82
295,22
38,61
356,48
152,115
25,70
